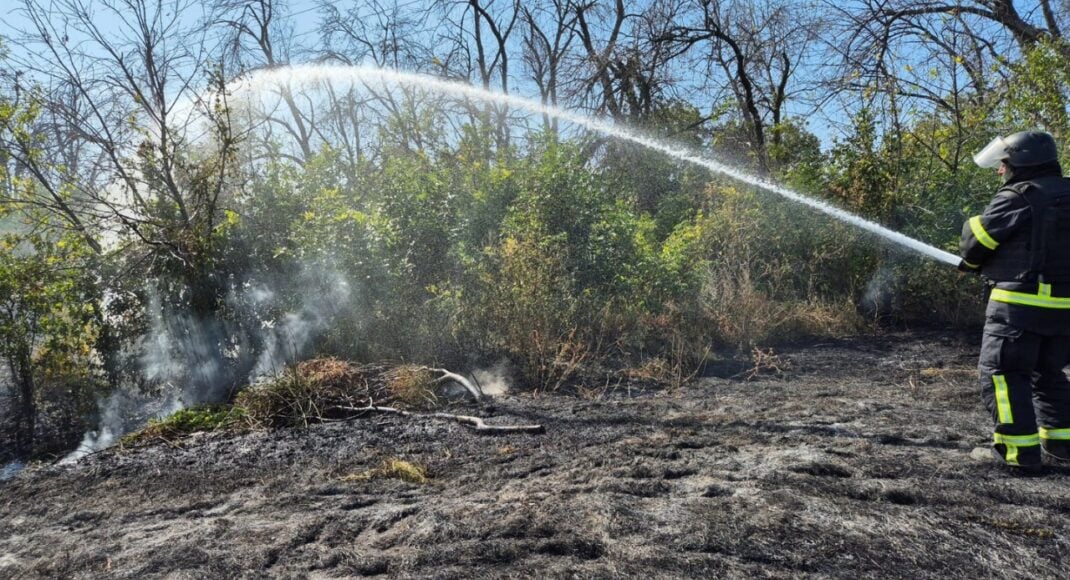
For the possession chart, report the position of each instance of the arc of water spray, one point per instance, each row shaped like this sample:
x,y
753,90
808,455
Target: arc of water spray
x,y
309,74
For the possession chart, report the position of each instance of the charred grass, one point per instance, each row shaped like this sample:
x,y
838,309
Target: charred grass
x,y
834,466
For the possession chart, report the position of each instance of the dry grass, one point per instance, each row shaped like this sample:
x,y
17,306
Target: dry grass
x,y
392,468
764,363
744,316
934,372
555,360
412,386
683,356
311,391
653,369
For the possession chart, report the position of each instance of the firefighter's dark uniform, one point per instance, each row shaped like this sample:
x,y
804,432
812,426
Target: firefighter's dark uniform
x,y
1021,246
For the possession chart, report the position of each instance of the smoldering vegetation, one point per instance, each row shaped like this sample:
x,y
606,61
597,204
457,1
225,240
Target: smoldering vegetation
x,y
846,458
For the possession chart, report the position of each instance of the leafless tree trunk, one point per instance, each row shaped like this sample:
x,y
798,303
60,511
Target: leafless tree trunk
x,y
255,31
545,48
758,48
1004,13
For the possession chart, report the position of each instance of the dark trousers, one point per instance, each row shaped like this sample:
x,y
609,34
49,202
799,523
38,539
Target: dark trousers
x,y
1023,386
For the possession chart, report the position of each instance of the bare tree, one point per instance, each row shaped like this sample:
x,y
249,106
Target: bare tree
x,y
392,36
603,59
129,100
1004,13
546,46
500,28
754,49
257,34
946,60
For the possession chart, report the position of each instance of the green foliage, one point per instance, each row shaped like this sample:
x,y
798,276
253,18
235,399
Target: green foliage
x,y
46,301
1041,89
526,304
796,156
862,175
48,327
187,421
647,181
778,272
546,255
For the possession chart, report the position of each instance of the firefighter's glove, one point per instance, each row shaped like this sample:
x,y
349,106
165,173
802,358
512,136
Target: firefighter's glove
x,y
965,266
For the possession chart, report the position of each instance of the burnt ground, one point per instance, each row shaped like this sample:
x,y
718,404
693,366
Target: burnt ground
x,y
853,459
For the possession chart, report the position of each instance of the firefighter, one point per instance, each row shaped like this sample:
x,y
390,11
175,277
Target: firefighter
x,y
1020,246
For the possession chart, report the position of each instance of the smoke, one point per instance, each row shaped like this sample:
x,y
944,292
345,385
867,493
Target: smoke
x,y
189,361
496,380
120,413
289,338
181,350
102,437
11,470
881,298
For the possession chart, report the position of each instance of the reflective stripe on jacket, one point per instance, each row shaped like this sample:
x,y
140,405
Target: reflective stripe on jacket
x,y
1001,242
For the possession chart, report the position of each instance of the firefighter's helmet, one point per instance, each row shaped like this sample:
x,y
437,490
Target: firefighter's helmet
x,y
1024,149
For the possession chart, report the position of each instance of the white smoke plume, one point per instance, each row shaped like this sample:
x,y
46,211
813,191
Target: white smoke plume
x,y
109,429
882,292
11,470
192,361
120,413
496,380
288,339
180,350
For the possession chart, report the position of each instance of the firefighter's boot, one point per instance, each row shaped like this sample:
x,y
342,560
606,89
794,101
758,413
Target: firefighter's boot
x,y
1056,449
1025,459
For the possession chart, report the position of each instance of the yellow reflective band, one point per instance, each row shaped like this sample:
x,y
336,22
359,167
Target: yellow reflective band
x,y
1038,300
1017,440
1044,290
1013,442
1003,399
1055,434
982,235
1012,454
969,265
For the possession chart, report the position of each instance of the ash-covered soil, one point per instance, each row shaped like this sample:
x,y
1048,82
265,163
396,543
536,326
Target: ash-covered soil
x,y
841,458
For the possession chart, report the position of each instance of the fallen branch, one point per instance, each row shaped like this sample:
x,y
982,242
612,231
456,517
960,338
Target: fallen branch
x,y
475,423
447,375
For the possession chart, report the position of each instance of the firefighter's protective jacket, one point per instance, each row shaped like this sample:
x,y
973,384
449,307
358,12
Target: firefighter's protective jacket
x,y
1021,246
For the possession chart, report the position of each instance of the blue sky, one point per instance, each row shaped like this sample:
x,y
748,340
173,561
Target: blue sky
x,y
826,122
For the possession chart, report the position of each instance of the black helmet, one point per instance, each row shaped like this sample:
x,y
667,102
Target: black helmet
x,y
1024,149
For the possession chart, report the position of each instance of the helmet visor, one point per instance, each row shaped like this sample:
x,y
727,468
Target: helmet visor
x,y
992,155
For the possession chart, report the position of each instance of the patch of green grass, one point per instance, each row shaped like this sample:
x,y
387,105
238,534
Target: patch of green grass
x,y
187,421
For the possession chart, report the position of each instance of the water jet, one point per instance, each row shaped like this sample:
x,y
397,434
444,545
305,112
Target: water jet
x,y
307,75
